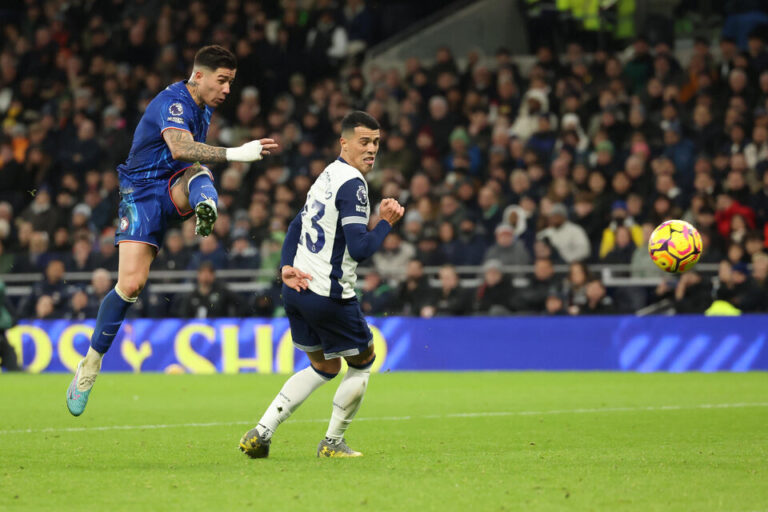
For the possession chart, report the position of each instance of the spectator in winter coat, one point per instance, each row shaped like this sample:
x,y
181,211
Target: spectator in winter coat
x,y
508,249
569,239
535,103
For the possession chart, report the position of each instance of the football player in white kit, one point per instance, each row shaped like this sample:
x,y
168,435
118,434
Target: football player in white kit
x,y
323,245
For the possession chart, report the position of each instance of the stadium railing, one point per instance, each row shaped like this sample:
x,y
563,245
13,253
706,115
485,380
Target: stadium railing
x,y
253,280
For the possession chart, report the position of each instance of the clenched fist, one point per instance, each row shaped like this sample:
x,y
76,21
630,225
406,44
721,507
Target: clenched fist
x,y
391,211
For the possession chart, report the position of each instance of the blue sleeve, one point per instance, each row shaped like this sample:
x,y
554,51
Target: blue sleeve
x,y
352,202
175,113
291,242
363,243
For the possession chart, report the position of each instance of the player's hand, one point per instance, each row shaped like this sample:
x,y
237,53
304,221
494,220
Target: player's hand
x,y
391,211
251,151
295,278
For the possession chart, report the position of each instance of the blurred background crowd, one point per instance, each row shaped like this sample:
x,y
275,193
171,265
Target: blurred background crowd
x,y
512,170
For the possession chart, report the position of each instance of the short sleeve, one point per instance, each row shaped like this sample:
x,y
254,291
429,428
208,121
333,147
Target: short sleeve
x,y
352,202
175,114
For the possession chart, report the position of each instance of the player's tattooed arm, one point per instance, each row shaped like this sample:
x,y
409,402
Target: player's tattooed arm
x,y
184,148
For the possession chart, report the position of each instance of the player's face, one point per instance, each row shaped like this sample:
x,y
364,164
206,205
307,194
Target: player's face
x,y
359,150
214,85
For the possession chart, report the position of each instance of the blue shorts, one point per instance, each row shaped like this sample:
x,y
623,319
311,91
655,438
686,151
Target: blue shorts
x,y
335,326
147,211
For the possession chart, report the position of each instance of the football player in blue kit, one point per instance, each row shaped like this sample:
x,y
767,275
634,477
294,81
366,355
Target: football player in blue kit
x,y
322,248
162,183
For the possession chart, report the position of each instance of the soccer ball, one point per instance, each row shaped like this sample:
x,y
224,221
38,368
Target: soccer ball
x,y
675,246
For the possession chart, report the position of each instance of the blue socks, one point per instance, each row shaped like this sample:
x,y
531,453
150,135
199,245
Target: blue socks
x,y
201,188
111,315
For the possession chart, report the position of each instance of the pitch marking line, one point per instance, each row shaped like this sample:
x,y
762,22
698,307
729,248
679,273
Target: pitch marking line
x,y
397,418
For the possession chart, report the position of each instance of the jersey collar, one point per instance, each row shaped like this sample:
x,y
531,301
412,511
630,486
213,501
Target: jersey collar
x,y
342,160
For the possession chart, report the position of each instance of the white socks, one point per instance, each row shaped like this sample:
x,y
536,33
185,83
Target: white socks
x,y
89,370
347,400
294,392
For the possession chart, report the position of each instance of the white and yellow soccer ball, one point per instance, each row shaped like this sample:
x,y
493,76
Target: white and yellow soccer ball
x,y
675,246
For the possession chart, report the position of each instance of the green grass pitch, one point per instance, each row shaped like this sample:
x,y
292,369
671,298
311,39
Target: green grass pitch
x,y
432,441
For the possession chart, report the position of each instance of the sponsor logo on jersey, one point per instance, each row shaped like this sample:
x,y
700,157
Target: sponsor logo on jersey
x,y
176,109
174,119
362,195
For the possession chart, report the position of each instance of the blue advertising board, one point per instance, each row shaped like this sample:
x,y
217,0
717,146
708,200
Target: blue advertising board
x,y
233,345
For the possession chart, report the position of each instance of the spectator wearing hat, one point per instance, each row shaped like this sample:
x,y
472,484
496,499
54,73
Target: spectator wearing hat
x,y
508,249
534,104
461,147
567,238
493,296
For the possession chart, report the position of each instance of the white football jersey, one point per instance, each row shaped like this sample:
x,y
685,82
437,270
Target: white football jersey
x,y
338,197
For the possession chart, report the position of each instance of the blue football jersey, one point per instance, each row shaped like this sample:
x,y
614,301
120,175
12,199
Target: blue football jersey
x,y
173,109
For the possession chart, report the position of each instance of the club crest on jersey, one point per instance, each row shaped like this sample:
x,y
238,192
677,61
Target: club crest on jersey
x,y
124,223
362,195
176,109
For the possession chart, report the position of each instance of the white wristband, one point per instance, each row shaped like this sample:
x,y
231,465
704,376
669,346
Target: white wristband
x,y
248,152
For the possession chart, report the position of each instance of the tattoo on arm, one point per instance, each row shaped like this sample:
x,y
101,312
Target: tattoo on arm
x,y
185,149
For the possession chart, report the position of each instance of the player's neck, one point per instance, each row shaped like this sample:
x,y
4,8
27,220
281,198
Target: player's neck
x,y
348,160
192,88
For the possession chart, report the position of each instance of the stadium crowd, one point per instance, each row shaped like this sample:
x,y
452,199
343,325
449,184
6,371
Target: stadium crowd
x,y
573,161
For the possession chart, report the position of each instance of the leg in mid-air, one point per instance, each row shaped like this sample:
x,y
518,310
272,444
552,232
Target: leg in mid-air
x,y
346,403
195,191
255,443
133,270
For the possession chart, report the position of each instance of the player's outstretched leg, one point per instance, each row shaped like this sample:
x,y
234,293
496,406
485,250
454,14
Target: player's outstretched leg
x,y
346,403
255,443
203,198
135,259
